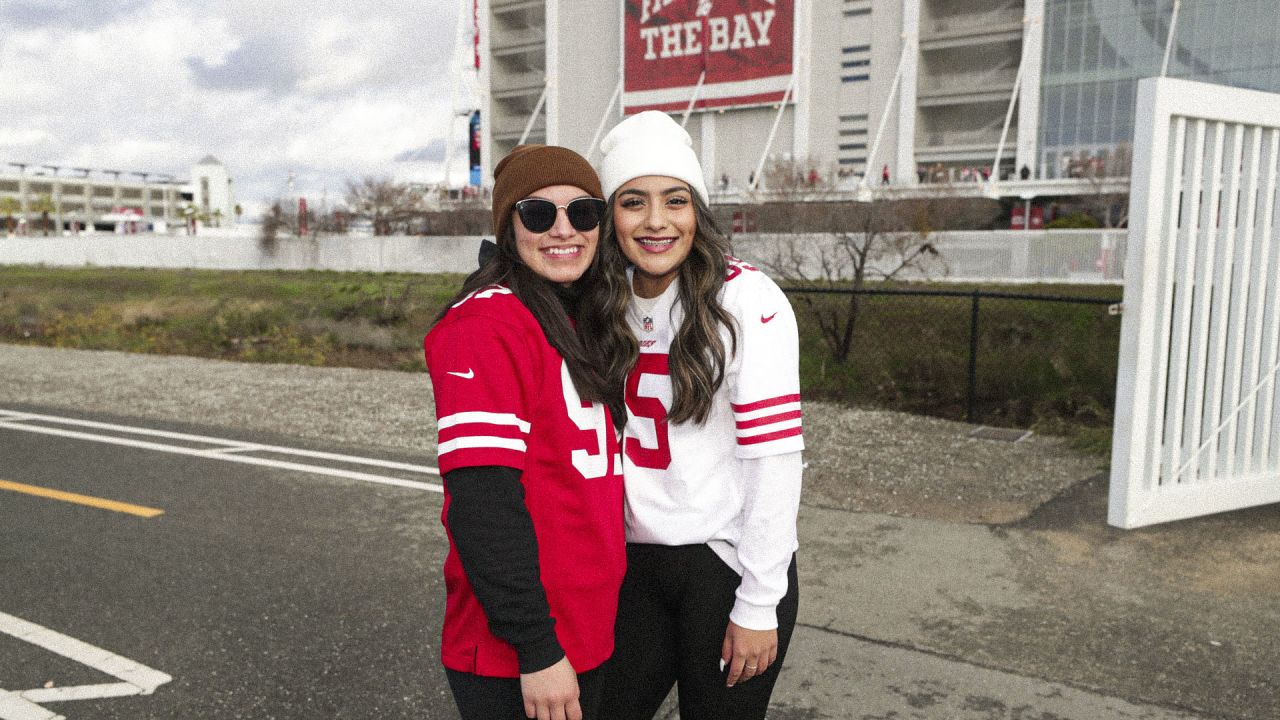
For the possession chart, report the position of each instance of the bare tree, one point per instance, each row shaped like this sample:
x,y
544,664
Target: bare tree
x,y
881,240
43,204
384,202
1106,202
8,208
274,221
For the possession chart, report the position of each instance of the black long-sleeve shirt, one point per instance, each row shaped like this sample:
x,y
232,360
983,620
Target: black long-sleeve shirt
x,y
493,534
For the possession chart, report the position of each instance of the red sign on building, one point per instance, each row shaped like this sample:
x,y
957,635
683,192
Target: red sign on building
x,y
743,46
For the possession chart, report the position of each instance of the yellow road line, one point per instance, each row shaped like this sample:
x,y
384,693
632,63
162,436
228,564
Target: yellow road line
x,y
89,500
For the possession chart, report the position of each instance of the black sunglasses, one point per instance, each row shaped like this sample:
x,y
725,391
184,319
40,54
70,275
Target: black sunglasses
x,y
539,215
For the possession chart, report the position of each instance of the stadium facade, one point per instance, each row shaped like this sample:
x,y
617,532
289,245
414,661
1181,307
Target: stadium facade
x,y
908,90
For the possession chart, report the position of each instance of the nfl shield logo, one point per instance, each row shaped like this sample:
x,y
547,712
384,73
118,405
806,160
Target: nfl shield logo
x,y
648,324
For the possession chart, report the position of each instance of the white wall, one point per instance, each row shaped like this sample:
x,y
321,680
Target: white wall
x,y
1088,256
245,252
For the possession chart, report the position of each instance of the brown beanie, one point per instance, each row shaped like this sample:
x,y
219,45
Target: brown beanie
x,y
532,167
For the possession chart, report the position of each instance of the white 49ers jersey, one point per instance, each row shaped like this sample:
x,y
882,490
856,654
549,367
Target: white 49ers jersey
x,y
685,483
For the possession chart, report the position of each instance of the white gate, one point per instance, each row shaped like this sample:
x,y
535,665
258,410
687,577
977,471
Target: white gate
x,y
1197,426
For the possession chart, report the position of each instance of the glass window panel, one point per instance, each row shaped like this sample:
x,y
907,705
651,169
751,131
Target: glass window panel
x,y
1071,50
1089,49
1089,79
1106,103
1071,105
1107,58
1054,55
1088,109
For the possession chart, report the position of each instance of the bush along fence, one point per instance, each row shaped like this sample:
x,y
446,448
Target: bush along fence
x,y
982,356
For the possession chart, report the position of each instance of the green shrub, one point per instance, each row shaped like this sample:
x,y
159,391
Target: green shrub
x,y
1074,221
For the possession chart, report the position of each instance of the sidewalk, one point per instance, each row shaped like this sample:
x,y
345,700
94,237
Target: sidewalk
x,y
1058,617
1052,616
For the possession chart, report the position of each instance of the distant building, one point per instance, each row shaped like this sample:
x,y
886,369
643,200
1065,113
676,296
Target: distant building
x,y
211,189
85,197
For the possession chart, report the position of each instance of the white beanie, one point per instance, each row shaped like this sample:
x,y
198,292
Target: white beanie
x,y
650,143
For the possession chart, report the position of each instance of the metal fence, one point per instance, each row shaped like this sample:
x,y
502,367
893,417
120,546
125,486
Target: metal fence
x,y
982,356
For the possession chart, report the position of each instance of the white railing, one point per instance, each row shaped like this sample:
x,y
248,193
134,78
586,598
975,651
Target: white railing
x,y
1197,426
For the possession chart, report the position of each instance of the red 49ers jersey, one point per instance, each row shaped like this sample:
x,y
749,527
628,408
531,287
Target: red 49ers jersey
x,y
683,480
504,397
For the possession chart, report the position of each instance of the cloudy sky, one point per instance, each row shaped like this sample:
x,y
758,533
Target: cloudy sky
x,y
330,91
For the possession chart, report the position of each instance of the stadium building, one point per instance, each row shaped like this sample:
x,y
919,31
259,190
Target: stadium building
x,y
81,198
912,91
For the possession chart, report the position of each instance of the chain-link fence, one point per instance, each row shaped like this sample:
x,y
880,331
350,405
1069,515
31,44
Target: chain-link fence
x,y
987,357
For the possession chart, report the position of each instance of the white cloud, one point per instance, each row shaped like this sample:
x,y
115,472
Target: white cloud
x,y
20,138
329,90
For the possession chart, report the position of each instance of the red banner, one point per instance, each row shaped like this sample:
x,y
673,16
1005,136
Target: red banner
x,y
743,46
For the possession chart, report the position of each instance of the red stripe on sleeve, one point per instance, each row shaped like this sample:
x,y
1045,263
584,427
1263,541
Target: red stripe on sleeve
x,y
757,439
760,404
768,420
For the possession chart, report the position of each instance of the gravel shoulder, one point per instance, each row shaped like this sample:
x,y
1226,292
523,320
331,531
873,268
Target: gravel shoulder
x,y
858,460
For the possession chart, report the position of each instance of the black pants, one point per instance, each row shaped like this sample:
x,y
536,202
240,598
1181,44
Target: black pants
x,y
672,615
494,698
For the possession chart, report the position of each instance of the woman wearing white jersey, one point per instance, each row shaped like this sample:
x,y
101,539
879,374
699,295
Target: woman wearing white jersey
x,y
712,443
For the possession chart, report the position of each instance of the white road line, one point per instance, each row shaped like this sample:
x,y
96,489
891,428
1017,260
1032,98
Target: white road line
x,y
136,679
13,420
14,707
239,445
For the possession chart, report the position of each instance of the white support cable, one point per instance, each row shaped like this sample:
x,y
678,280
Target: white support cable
x,y
533,116
604,118
1168,42
693,99
907,46
777,120
994,177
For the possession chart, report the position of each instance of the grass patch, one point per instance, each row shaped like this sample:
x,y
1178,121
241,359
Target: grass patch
x,y
1046,366
369,320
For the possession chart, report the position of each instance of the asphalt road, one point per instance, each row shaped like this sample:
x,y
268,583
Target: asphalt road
x,y
264,593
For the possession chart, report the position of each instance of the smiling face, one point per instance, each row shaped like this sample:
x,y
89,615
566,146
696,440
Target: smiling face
x,y
562,253
655,222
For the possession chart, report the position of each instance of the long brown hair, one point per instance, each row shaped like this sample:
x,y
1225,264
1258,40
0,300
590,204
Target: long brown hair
x,y
697,358
540,296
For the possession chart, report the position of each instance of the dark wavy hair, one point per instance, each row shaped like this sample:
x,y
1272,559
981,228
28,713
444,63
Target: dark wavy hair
x,y
552,306
697,359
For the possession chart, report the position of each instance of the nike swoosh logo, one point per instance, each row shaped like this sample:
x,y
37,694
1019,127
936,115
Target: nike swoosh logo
x,y
464,375
764,319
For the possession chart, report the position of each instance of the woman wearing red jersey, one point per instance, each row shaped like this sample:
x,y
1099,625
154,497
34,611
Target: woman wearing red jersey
x,y
529,455
712,442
